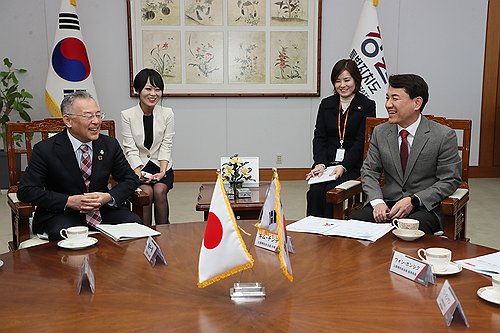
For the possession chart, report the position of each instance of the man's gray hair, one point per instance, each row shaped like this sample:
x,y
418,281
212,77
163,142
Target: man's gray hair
x,y
69,99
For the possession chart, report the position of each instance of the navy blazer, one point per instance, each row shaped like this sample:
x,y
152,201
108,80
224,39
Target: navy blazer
x,y
53,174
326,133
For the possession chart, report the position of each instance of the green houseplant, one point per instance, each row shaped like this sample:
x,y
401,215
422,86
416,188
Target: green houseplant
x,y
13,100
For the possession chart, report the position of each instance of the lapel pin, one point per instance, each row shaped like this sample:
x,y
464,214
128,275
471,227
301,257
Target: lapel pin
x,y
100,155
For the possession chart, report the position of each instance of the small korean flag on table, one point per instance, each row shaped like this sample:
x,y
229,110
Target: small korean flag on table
x,y
223,251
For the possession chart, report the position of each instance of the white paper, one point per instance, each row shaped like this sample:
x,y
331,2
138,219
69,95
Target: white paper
x,y
125,231
333,227
488,264
325,177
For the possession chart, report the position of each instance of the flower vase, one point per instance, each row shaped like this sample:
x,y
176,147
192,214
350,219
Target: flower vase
x,y
234,186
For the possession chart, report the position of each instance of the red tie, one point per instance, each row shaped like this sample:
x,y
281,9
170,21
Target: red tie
x,y
403,150
92,218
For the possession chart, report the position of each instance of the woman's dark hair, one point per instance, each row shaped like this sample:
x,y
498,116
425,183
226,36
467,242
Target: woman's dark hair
x,y
414,85
350,66
146,74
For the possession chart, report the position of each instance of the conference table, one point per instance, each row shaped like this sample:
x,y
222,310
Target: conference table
x,y
340,285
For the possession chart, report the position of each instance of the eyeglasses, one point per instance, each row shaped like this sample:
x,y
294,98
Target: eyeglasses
x,y
89,116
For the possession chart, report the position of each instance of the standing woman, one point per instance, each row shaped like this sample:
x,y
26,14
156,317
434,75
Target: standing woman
x,y
148,129
339,135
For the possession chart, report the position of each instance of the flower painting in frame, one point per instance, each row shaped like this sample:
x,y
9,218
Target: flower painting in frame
x,y
227,48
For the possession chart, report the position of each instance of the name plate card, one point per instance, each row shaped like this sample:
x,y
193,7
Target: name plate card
x,y
412,269
86,275
152,252
449,304
266,239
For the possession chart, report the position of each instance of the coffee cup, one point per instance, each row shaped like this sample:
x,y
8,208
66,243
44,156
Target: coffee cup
x,y
407,226
495,280
439,258
75,235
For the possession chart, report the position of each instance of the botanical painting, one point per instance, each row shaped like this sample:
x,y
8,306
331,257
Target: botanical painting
x,y
203,12
246,12
204,57
247,57
161,51
227,47
288,57
160,12
289,12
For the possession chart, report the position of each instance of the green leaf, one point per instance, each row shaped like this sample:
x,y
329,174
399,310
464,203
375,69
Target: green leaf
x,y
26,94
7,62
24,115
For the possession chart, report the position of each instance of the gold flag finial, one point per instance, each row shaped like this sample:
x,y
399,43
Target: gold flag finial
x,y
72,2
275,173
375,3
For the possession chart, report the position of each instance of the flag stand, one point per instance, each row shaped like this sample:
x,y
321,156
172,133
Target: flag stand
x,y
248,291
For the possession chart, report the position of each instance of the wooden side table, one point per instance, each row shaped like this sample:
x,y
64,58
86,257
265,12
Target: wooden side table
x,y
243,208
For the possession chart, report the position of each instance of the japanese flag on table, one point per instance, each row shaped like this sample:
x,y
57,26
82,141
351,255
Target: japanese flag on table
x,y
223,251
69,65
273,208
368,53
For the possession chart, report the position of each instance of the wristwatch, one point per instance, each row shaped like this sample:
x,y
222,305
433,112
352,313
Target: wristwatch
x,y
415,201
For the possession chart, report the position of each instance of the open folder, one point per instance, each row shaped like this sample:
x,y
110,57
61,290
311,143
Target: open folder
x,y
125,231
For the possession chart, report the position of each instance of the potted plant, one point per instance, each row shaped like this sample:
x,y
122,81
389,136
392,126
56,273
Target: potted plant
x,y
12,99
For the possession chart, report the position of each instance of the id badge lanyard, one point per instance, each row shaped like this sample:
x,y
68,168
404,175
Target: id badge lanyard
x,y
341,151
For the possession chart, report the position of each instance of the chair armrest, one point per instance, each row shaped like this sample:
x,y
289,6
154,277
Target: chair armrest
x,y
455,202
139,198
23,210
344,191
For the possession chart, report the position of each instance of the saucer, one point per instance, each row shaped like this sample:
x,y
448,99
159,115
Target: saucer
x,y
450,270
71,246
487,294
408,236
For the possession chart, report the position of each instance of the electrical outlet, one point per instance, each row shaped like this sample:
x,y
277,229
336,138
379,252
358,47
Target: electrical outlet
x,y
279,159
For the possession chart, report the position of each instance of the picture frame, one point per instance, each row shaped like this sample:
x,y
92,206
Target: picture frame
x,y
227,47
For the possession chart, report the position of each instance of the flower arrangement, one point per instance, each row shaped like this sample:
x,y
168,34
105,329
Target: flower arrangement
x,y
236,171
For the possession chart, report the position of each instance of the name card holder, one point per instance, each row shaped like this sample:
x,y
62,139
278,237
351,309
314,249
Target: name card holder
x,y
412,268
266,239
86,275
152,252
449,304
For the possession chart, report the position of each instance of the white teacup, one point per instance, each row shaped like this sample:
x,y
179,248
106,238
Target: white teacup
x,y
75,235
439,258
495,280
407,226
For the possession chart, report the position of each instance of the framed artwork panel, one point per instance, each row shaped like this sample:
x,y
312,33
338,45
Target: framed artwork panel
x,y
227,47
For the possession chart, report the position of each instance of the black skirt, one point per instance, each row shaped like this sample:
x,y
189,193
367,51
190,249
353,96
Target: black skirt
x,y
169,175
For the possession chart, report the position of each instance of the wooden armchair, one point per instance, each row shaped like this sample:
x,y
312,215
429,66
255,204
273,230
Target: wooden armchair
x,y
453,210
32,132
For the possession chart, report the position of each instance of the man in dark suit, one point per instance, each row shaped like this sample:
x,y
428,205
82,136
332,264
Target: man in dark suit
x,y
54,181
419,159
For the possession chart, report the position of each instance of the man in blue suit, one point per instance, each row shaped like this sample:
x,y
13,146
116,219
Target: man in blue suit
x,y
54,182
419,159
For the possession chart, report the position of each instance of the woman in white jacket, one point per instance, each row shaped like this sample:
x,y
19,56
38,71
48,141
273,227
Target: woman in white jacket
x,y
148,129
